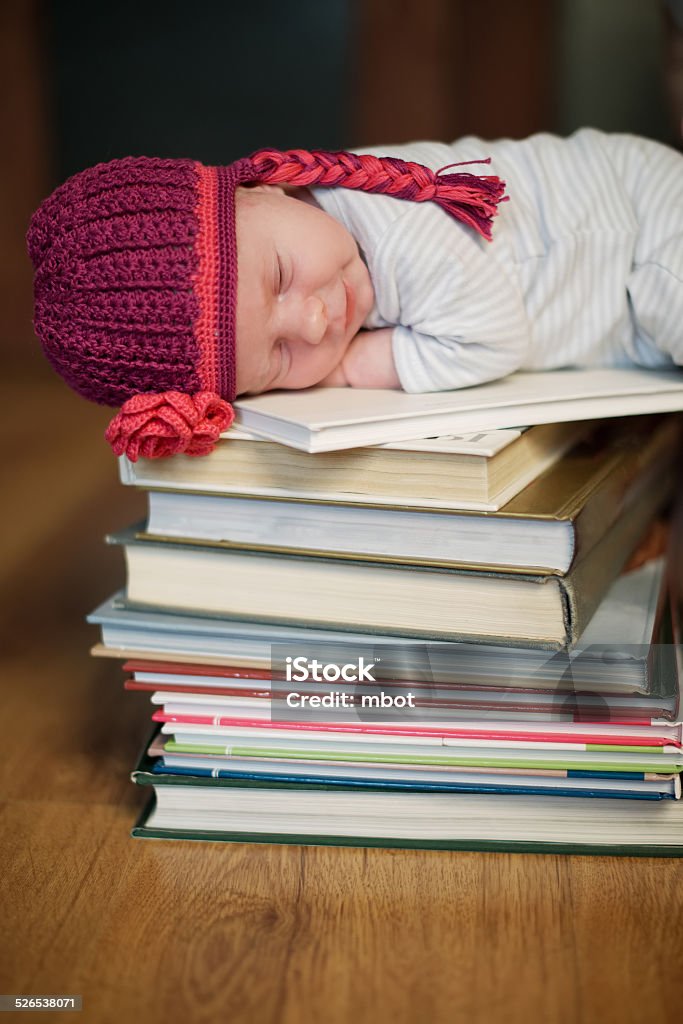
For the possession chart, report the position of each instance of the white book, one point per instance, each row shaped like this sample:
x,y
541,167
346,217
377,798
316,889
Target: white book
x,y
329,419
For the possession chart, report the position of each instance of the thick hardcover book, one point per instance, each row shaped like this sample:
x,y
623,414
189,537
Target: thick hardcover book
x,y
480,471
327,419
641,596
311,813
625,650
415,601
548,527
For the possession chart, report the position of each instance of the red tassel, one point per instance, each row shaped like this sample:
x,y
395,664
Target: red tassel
x,y
472,198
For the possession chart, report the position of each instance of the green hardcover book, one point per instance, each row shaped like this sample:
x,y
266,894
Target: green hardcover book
x,y
314,814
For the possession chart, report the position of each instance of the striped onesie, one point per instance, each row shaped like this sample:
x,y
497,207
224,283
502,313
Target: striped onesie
x,y
585,267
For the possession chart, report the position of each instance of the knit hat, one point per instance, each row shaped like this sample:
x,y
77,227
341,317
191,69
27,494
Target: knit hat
x,y
136,279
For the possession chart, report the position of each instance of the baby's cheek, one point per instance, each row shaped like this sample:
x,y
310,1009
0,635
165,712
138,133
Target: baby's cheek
x,y
251,367
307,367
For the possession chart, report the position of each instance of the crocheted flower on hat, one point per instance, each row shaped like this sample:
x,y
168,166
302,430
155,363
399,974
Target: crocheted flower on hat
x,y
157,425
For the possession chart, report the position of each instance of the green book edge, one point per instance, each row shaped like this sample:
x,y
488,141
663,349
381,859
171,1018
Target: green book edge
x,y
140,831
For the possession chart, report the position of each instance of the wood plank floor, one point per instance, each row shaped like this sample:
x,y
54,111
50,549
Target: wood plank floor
x,y
158,931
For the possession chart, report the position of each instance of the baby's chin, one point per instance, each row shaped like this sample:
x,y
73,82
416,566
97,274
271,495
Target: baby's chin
x,y
322,372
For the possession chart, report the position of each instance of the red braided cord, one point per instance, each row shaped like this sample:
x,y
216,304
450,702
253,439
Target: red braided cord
x,y
470,198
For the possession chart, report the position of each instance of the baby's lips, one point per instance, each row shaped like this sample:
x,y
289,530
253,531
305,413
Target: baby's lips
x,y
350,305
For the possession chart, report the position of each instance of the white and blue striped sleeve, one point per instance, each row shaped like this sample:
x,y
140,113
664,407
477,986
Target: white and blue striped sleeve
x,y
460,318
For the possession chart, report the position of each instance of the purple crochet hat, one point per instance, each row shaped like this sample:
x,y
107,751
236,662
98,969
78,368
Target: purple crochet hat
x,y
136,279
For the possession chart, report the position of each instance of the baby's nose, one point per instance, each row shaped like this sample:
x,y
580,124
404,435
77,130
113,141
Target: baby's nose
x,y
313,320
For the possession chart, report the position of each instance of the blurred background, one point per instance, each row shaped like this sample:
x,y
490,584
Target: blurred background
x,y
84,82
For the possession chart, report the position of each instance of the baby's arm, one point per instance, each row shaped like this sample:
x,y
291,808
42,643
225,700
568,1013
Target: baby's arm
x,y
367,363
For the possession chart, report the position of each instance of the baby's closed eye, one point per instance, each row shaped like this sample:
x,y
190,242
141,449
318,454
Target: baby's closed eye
x,y
283,275
280,360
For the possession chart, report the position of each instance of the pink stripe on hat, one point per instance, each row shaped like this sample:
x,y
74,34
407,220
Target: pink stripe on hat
x,y
207,278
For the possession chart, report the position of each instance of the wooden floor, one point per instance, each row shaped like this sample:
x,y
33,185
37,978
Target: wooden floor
x,y
163,931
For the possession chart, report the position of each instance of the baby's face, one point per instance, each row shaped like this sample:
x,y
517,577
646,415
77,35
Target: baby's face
x,y
303,291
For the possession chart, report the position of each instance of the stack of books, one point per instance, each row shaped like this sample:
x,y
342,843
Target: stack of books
x,y
428,643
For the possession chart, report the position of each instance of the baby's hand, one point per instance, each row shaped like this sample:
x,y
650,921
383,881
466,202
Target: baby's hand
x,y
367,363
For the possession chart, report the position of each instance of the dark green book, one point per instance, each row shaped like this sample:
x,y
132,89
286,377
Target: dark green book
x,y
316,814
